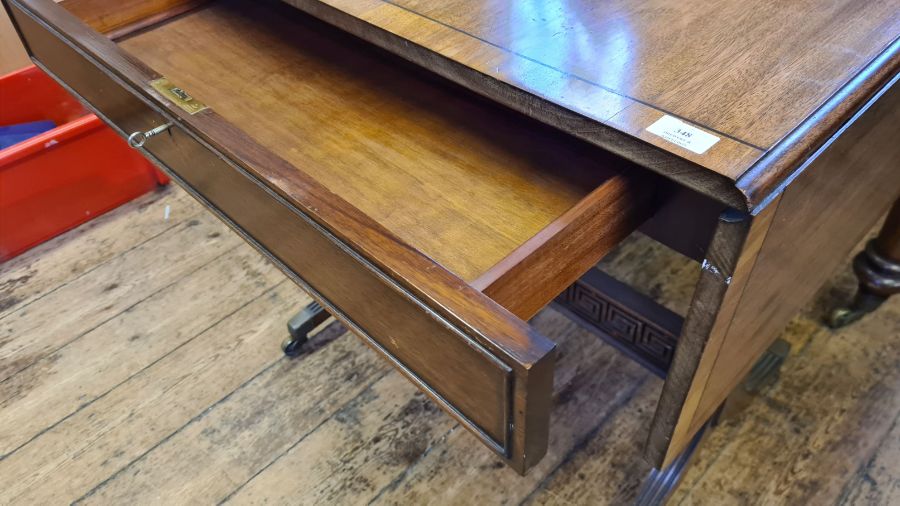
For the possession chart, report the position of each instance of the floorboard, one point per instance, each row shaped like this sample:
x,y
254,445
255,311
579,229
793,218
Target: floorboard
x,y
71,255
139,363
37,329
108,355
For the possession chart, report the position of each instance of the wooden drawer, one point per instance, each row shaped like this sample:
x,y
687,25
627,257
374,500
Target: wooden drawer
x,y
430,222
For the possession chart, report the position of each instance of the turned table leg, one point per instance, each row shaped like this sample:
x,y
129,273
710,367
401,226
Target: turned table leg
x,y
878,270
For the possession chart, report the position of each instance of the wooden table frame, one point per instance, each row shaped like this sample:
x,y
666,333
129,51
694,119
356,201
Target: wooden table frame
x,y
765,239
825,183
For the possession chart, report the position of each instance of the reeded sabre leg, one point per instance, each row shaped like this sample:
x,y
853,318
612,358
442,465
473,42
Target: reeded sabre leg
x,y
878,270
659,484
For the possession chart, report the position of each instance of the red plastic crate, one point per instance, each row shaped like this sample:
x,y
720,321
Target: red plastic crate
x,y
64,177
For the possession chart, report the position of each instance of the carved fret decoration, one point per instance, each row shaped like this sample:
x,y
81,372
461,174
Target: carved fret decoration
x,y
629,329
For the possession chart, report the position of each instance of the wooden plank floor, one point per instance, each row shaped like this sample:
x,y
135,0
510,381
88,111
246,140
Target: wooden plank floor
x,y
139,363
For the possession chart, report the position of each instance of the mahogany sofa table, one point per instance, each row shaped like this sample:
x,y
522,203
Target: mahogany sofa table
x,y
435,173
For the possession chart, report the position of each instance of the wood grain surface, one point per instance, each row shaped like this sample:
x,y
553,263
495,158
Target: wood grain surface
x,y
117,19
556,256
510,415
132,104
221,414
752,73
805,233
473,384
771,65
815,226
724,276
24,345
462,181
758,184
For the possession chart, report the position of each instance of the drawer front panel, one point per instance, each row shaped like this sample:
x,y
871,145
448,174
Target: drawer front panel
x,y
466,379
440,359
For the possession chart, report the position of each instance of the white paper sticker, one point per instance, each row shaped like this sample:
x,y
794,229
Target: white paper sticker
x,y
683,134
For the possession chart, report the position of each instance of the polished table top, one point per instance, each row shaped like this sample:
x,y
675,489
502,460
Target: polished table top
x,y
772,79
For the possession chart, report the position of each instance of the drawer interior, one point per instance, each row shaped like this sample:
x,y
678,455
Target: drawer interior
x,y
480,189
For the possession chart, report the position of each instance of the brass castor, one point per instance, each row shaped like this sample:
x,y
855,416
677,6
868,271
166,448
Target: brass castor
x,y
878,271
301,325
768,368
879,278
